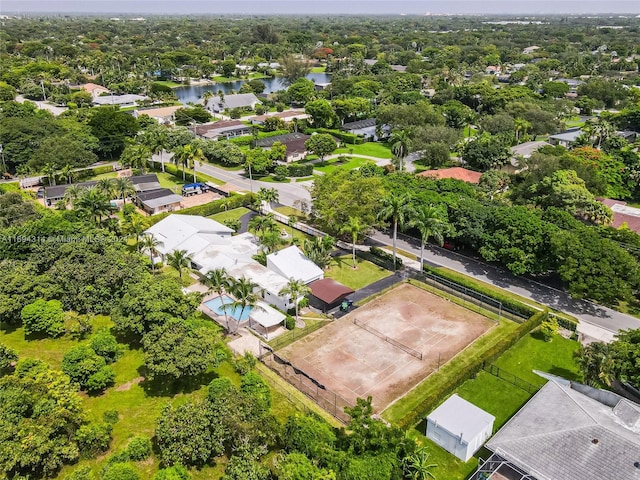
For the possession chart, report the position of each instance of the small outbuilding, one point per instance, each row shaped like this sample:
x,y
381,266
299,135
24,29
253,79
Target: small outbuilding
x,y
327,294
459,427
292,263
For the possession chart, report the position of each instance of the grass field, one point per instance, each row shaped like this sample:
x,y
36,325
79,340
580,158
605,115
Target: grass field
x,y
234,214
286,210
371,149
168,83
335,163
366,272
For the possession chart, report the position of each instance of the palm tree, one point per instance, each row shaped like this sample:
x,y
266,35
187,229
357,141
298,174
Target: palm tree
x,y
136,156
296,289
318,250
218,281
261,225
353,228
521,126
270,240
416,466
396,208
187,156
135,225
596,364
268,195
179,259
243,291
72,193
430,222
149,242
95,203
106,186
401,145
67,173
50,172
291,221
124,188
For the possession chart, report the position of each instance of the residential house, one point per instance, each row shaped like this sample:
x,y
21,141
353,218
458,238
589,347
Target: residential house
x,y
223,129
286,116
623,214
158,201
493,70
567,138
294,142
219,104
322,86
457,173
290,262
122,101
93,89
567,431
365,128
161,115
530,50
459,427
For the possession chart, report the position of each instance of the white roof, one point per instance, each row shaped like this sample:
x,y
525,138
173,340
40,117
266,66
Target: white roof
x,y
292,263
266,315
626,209
118,99
187,232
227,252
265,279
461,418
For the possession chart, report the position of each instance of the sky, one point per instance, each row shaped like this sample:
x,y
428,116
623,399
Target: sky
x,y
316,7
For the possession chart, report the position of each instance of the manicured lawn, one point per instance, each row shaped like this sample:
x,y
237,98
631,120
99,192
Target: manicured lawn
x,y
102,176
168,83
371,149
272,179
234,214
575,121
321,69
366,272
286,210
494,395
335,163
186,279
533,353
9,187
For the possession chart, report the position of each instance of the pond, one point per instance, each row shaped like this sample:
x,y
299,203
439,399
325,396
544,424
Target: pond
x,y
193,93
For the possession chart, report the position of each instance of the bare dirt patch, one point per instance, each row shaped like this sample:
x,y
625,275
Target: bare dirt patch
x,y
354,362
127,386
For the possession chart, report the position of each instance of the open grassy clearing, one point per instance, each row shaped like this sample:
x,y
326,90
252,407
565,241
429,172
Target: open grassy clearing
x,y
330,165
286,210
321,69
272,179
168,83
371,149
364,274
234,214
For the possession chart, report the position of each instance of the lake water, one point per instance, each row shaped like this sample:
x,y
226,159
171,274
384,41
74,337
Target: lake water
x,y
193,93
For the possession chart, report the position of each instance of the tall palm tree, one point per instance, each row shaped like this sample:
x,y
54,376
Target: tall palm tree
x,y
416,466
218,281
179,259
296,289
149,243
353,228
136,156
123,188
261,225
271,240
396,208
50,171
187,156
67,173
596,364
72,193
135,225
95,203
268,195
106,186
318,250
291,221
401,145
521,126
430,222
243,290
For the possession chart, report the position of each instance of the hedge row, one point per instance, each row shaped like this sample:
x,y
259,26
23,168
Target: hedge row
x,y
379,257
92,172
507,302
339,134
233,201
247,140
453,374
565,322
384,255
299,169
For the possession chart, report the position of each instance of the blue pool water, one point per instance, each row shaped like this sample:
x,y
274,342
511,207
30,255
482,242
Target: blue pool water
x,y
216,304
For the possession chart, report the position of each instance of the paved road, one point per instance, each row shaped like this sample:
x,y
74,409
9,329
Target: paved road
x,y
43,105
585,311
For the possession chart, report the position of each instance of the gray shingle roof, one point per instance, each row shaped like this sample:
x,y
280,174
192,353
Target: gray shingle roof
x,y
562,434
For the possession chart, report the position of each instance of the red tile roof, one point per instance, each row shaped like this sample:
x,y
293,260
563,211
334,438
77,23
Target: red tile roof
x,y
457,173
328,290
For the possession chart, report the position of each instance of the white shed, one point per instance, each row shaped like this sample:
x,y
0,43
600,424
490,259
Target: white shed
x,y
459,427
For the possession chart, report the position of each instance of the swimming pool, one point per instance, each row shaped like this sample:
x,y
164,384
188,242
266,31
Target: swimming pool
x,y
216,304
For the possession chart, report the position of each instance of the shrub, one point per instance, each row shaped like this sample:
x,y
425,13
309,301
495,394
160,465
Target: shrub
x,y
103,378
385,256
177,472
139,448
120,471
208,209
244,364
548,328
111,417
93,439
105,345
340,135
290,322
87,368
43,318
92,172
7,356
299,169
82,473
78,326
280,172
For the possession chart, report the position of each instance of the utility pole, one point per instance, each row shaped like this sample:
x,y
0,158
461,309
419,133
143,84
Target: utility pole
x,y
4,165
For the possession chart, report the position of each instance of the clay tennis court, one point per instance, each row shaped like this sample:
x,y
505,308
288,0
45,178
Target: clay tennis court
x,y
354,362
